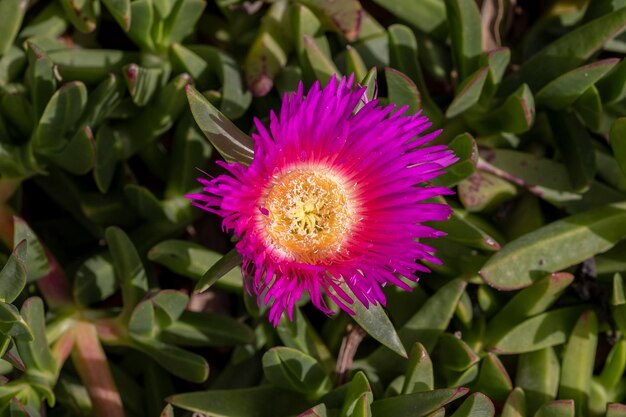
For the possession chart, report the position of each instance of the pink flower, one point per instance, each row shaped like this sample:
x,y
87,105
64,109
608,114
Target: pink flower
x,y
332,200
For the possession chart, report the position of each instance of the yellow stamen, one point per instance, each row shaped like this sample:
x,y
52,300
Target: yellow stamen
x,y
308,213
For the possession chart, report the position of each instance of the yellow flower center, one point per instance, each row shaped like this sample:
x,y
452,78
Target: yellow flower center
x,y
307,214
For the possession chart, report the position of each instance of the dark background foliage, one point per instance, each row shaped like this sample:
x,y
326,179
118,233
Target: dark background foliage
x,y
119,298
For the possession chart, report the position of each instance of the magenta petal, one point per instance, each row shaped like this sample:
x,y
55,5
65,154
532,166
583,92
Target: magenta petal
x,y
380,158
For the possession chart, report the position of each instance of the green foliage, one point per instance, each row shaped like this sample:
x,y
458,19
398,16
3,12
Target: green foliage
x,y
117,296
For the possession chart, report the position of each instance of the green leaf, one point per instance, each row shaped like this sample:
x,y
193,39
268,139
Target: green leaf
x,y
402,91
322,65
108,151
538,374
49,23
120,10
578,362
614,366
142,321
477,404
556,246
202,329
457,355
317,411
575,144
429,16
11,64
291,369
94,280
464,148
612,88
354,64
561,408
464,228
78,156
359,396
543,177
260,401
419,374
497,60
298,333
515,405
343,17
60,116
564,90
156,117
617,138
547,329
589,109
465,33
179,362
218,270
12,325
416,404
375,322
41,77
141,25
425,327
230,142
146,204
11,16
483,191
13,273
36,261
515,115
403,56
567,52
493,379
529,302
36,353
468,92
129,270
142,82
102,101
269,51
181,21
90,65
618,294
83,15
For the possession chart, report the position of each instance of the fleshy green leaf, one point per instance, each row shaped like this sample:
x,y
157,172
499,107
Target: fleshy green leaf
x,y
375,322
11,16
465,32
416,404
129,270
564,90
419,374
578,362
218,270
230,142
477,404
547,329
538,374
556,246
468,92
291,369
36,261
617,138
515,405
13,273
261,401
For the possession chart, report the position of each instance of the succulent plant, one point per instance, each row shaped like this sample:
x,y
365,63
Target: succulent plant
x,y
117,296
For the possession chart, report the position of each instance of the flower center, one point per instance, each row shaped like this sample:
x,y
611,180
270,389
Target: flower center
x,y
308,215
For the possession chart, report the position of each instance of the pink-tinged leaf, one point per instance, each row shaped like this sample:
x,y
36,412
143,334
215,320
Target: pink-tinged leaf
x,y
92,366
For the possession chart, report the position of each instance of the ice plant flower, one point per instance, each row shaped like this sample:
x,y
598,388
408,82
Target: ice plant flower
x,y
333,201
